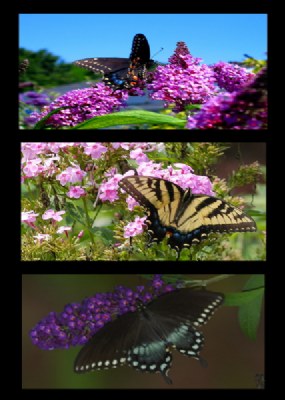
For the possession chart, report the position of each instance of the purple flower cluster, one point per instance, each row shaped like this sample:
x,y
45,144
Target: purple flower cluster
x,y
35,98
78,322
231,77
81,105
245,109
183,81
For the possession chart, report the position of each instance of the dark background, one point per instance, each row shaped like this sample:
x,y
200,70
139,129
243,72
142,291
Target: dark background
x,y
233,359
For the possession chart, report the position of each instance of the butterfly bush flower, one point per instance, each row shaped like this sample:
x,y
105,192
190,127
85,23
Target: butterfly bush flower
x,y
184,81
245,109
75,192
78,322
231,77
81,105
35,99
135,228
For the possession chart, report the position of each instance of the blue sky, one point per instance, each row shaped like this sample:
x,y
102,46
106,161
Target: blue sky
x,y
212,37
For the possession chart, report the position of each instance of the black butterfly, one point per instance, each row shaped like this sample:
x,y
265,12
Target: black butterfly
x,y
122,73
144,339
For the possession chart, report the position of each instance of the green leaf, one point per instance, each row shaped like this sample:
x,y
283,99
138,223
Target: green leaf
x,y
136,117
242,298
249,313
41,123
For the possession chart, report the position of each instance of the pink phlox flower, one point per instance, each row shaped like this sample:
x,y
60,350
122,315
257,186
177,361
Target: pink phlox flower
x,y
71,174
63,229
95,150
33,168
80,234
55,147
40,237
31,150
54,215
29,217
131,202
109,189
75,192
134,228
138,155
149,168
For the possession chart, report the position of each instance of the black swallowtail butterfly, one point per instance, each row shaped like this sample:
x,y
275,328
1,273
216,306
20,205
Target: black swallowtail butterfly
x,y
122,73
143,339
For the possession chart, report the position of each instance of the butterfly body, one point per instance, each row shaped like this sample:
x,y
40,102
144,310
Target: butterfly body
x,y
122,73
144,339
185,218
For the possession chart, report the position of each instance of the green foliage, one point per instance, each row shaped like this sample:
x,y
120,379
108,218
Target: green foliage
x,y
249,302
245,174
48,70
256,65
200,155
103,224
134,117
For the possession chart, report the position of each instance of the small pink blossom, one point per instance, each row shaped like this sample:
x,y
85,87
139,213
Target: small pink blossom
x,y
131,202
40,237
31,150
75,192
80,234
33,168
64,229
54,215
109,189
29,217
95,150
134,228
138,155
71,174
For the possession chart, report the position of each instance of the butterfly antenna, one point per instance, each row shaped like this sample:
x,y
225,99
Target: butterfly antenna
x,y
159,51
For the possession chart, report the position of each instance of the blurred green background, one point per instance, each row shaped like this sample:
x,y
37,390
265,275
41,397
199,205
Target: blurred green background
x,y
233,359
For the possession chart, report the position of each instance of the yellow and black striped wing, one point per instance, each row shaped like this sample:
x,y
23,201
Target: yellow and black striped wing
x,y
181,216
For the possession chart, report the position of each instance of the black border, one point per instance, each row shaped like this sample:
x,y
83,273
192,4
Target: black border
x,y
22,267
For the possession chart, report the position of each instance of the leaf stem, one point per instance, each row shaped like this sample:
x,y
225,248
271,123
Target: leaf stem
x,y
88,221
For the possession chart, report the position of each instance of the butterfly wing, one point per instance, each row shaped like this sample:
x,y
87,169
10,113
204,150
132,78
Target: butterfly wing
x,y
184,217
104,65
195,306
214,215
140,49
143,339
180,312
131,340
160,197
